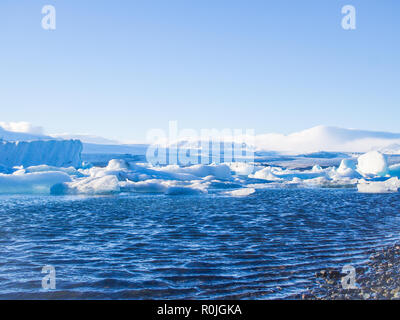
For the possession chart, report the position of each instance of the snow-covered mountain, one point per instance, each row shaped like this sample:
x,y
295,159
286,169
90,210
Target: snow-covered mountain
x,y
319,138
391,149
324,138
316,139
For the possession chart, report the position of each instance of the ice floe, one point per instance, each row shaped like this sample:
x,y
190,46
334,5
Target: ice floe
x,y
388,186
241,192
366,173
31,183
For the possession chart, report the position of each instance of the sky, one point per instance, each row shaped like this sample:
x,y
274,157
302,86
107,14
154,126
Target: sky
x,y
120,68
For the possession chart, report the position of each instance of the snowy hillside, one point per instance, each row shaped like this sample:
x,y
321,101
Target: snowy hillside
x,y
319,138
324,138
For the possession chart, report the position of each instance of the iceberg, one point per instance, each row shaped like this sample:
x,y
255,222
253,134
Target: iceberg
x,y
244,192
31,162
45,168
268,173
372,163
219,171
31,183
348,168
57,153
121,176
149,186
89,186
388,186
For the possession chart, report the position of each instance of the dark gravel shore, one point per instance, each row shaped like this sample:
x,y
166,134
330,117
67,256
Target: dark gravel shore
x,y
379,279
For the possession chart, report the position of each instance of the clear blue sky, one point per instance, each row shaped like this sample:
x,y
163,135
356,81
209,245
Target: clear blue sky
x,y
119,68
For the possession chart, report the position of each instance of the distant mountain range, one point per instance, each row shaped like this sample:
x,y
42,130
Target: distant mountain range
x,y
320,138
91,144
324,138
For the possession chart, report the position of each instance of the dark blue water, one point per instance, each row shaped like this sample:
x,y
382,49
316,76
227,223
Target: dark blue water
x,y
267,245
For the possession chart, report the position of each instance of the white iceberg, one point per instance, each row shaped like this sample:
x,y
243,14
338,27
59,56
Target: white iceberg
x,y
219,171
149,186
132,177
388,186
372,163
268,173
88,186
347,168
45,168
31,183
244,192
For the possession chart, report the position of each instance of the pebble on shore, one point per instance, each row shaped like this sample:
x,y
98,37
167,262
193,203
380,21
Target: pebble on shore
x,y
378,280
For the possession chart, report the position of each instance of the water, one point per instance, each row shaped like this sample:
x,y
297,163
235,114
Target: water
x,y
264,246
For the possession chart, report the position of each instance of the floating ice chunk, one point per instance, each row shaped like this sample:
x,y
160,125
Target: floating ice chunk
x,y
268,173
372,163
277,174
45,168
149,186
317,168
164,187
118,168
103,185
31,183
241,168
219,171
244,192
315,182
296,180
391,185
174,190
347,166
117,164
347,169
89,186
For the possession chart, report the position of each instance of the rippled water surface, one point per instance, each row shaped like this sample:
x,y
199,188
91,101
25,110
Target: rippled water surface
x,y
267,245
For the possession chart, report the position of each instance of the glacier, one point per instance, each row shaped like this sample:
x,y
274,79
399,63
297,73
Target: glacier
x,y
57,153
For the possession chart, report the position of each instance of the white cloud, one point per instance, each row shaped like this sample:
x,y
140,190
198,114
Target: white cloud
x,y
23,127
320,138
323,138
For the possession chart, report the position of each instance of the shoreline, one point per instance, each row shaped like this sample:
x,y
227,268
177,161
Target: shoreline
x,y
378,279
